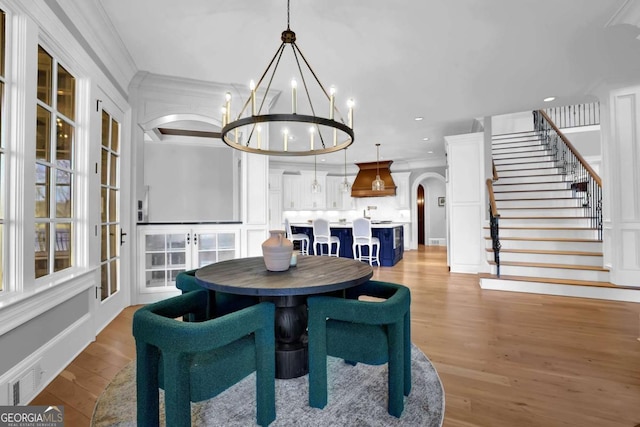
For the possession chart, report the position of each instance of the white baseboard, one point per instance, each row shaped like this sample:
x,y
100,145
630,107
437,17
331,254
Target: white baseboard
x,y
49,360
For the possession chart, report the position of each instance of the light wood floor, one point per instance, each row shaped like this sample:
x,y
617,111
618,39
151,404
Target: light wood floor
x,y
505,359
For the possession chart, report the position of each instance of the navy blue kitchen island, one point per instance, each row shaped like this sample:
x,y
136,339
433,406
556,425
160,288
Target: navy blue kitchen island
x,y
391,237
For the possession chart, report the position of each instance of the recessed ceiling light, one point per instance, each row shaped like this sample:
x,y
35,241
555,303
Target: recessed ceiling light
x,y
417,119
429,152
323,160
426,138
549,99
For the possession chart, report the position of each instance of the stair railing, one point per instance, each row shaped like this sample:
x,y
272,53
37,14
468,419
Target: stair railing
x,y
569,116
585,182
494,225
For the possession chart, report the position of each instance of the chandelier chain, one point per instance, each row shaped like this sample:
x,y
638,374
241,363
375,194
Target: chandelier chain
x,y
288,12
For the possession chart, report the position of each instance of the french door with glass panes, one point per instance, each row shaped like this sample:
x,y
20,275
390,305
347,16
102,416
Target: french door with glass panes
x,y
110,293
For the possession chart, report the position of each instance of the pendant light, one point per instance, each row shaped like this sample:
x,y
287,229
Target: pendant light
x,y
377,184
345,187
315,185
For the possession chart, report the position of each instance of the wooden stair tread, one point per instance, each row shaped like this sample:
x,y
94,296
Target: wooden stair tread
x,y
524,169
519,146
498,184
554,281
523,157
530,176
547,239
543,207
546,217
544,228
546,252
546,265
530,191
538,198
525,163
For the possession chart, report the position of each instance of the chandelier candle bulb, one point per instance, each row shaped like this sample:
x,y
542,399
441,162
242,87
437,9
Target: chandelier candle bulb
x,y
335,137
311,135
224,116
228,106
294,96
252,86
332,101
350,104
259,138
285,140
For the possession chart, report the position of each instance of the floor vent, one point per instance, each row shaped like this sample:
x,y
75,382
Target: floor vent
x,y
438,242
22,389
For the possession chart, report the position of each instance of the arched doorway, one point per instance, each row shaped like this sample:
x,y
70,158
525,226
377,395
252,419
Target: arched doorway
x,y
434,187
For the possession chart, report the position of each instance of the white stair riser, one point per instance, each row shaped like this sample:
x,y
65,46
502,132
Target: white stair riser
x,y
520,152
568,212
530,168
499,187
545,222
522,159
515,195
563,233
521,148
547,245
555,273
569,259
534,203
497,141
528,179
522,173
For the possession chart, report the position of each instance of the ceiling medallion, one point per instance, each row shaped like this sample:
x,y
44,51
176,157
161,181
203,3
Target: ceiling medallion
x,y
325,134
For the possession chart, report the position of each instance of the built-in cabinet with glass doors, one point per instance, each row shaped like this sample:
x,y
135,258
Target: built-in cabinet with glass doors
x,y
166,250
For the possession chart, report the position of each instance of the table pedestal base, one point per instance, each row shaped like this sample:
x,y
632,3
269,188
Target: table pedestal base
x,y
292,356
292,362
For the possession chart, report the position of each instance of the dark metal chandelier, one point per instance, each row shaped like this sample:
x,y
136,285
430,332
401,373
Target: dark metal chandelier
x,y
246,132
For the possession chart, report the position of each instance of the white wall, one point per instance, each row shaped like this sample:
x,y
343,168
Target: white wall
x,y
188,182
435,215
509,123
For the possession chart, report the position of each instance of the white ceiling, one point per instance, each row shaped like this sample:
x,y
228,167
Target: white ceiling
x,y
449,61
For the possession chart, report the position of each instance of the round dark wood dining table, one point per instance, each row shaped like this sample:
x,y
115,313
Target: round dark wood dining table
x,y
288,290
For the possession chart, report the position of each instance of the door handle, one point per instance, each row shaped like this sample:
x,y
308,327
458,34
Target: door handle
x,y
122,234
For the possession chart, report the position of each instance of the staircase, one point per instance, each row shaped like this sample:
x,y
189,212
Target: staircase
x,y
548,243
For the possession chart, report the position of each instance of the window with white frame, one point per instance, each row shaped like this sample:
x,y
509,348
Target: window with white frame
x,y
2,145
55,171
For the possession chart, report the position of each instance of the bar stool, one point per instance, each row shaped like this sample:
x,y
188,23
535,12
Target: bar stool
x,y
299,237
362,237
322,236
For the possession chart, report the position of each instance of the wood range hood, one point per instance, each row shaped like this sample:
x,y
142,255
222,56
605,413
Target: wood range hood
x,y
367,174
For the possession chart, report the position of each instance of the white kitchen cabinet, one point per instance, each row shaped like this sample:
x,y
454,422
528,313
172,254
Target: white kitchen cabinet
x,y
166,250
336,199
297,193
403,196
291,186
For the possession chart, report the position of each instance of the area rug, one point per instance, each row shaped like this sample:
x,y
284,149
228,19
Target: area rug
x,y
357,397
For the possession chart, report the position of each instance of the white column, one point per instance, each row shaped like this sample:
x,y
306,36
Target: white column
x,y
621,181
465,203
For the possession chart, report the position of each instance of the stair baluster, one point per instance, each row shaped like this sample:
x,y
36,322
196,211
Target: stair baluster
x,y
585,182
494,224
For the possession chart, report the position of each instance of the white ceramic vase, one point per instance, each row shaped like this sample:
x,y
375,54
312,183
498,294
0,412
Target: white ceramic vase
x,y
276,251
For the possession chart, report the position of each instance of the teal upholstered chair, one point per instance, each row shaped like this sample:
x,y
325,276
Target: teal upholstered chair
x,y
220,303
195,361
369,332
